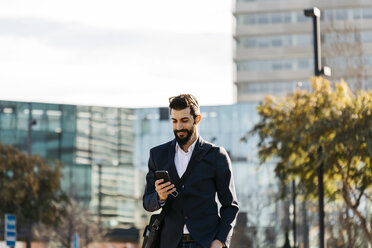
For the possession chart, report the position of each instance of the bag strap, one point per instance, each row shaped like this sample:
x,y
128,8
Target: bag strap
x,y
159,219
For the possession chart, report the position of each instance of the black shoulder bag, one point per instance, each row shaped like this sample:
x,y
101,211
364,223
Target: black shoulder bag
x,y
151,235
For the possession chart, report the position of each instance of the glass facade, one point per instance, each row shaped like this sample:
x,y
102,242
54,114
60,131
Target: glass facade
x,y
296,17
52,135
344,62
272,88
275,41
275,64
347,14
297,40
269,18
83,138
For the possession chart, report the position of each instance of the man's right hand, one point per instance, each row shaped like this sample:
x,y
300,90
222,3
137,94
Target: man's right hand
x,y
164,189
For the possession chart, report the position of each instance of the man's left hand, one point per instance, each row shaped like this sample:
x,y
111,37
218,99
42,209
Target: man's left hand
x,y
216,244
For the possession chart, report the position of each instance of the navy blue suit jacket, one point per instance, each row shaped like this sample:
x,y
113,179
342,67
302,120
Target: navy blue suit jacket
x,y
208,172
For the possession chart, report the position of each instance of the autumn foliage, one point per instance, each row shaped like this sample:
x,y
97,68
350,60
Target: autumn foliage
x,y
329,118
30,188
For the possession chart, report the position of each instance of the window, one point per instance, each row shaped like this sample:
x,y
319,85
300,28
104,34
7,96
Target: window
x,y
263,19
304,64
366,36
274,41
357,14
263,42
287,17
276,18
367,13
303,40
267,87
341,15
302,18
275,65
164,114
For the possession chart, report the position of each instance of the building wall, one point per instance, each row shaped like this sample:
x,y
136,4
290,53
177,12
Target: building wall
x,y
274,43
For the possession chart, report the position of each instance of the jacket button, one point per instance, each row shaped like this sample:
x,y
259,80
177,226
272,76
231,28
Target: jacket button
x,y
183,186
186,217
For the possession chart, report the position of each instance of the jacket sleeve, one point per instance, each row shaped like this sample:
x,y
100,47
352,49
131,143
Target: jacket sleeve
x,y
150,197
227,197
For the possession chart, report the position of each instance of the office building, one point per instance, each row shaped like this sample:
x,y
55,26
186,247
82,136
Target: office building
x,y
94,143
274,45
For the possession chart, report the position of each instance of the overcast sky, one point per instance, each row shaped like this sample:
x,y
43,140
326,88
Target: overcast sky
x,y
116,52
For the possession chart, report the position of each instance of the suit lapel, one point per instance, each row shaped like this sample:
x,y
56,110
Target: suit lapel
x,y
171,166
200,149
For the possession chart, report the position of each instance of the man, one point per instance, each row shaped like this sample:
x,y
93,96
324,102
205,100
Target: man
x,y
192,219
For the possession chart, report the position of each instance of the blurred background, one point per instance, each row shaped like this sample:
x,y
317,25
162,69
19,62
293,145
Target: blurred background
x,y
87,83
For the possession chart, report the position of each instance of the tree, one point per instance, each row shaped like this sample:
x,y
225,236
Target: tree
x,y
241,237
251,229
344,229
294,128
78,219
30,188
344,53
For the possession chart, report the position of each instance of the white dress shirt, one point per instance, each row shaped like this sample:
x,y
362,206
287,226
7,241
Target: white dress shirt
x,y
181,160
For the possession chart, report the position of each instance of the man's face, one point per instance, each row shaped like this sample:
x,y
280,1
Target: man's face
x,y
183,125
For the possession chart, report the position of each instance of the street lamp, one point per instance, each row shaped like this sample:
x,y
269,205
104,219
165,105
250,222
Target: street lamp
x,y
98,164
100,196
319,70
31,123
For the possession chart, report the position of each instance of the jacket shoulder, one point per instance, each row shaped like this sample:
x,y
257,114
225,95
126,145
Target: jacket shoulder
x,y
214,148
161,147
215,152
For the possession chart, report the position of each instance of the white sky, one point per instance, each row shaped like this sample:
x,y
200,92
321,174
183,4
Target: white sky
x,y
129,53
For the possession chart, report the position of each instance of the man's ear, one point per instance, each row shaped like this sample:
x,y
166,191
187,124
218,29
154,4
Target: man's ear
x,y
197,119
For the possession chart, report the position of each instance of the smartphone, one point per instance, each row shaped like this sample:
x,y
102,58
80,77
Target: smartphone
x,y
163,174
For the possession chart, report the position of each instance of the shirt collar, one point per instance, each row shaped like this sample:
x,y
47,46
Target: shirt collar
x,y
191,148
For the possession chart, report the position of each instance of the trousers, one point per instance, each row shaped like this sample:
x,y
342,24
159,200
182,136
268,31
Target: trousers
x,y
189,245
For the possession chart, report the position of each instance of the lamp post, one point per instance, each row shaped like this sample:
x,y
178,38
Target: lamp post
x,y
100,197
294,213
318,70
31,123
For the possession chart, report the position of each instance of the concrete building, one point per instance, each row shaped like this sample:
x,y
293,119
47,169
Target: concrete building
x,y
274,45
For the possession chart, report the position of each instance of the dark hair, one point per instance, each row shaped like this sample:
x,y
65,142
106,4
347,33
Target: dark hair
x,y
183,101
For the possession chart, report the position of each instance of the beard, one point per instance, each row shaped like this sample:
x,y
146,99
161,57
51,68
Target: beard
x,y
186,138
